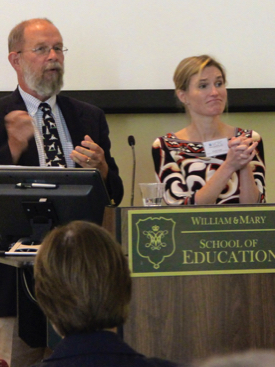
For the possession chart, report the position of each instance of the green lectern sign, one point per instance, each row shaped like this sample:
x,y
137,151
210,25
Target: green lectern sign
x,y
202,240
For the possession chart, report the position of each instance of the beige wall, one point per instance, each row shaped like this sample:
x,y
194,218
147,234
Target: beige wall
x,y
146,127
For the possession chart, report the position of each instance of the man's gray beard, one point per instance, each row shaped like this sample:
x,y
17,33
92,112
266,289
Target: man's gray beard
x,y
42,86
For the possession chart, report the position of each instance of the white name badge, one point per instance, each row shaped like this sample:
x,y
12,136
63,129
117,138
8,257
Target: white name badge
x,y
216,147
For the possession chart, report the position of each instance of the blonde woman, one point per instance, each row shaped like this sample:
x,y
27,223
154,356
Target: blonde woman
x,y
208,162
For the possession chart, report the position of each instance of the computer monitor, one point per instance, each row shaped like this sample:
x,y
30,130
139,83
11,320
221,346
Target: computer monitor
x,y
34,199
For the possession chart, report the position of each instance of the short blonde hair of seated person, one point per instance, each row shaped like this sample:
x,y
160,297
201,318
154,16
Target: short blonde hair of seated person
x,y
82,279
191,66
249,358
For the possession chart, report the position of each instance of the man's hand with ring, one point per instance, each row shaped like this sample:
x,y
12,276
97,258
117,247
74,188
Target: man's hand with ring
x,y
90,155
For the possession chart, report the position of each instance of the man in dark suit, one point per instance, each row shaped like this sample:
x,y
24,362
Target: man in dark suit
x,y
36,52
83,285
81,119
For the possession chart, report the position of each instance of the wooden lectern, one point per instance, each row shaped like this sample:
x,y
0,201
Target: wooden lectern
x,y
192,316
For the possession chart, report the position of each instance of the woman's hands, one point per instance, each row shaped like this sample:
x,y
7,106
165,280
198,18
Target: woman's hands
x,y
241,152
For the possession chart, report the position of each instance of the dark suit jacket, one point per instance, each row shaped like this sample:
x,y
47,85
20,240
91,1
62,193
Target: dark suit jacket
x,y
81,119
99,349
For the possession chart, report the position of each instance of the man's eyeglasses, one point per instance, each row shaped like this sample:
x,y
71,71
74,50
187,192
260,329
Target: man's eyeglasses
x,y
45,50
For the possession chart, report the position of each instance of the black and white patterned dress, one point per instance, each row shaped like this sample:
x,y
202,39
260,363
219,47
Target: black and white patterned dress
x,y
184,167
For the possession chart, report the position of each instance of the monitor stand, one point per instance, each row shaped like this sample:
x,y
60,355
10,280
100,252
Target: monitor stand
x,y
42,217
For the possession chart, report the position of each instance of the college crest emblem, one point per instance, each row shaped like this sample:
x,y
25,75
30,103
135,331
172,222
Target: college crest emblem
x,y
155,239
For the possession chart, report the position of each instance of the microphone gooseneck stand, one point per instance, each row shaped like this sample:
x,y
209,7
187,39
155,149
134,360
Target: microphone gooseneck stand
x,y
131,142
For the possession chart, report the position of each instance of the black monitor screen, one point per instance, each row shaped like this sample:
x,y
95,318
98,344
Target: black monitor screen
x,y
33,200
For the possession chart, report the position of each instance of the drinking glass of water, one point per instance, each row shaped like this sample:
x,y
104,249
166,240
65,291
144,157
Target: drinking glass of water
x,y
152,193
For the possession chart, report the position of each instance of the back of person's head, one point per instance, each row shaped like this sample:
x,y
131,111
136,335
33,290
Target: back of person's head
x,y
82,279
250,358
191,66
16,37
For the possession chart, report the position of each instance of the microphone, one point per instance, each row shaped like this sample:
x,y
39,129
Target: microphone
x,y
131,142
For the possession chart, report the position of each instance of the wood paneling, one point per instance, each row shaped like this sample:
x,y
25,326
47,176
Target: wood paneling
x,y
187,317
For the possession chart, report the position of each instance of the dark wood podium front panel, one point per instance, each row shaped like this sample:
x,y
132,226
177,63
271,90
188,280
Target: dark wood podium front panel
x,y
181,318
186,317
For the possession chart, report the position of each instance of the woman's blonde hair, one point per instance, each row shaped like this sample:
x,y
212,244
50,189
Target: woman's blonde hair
x,y
191,66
